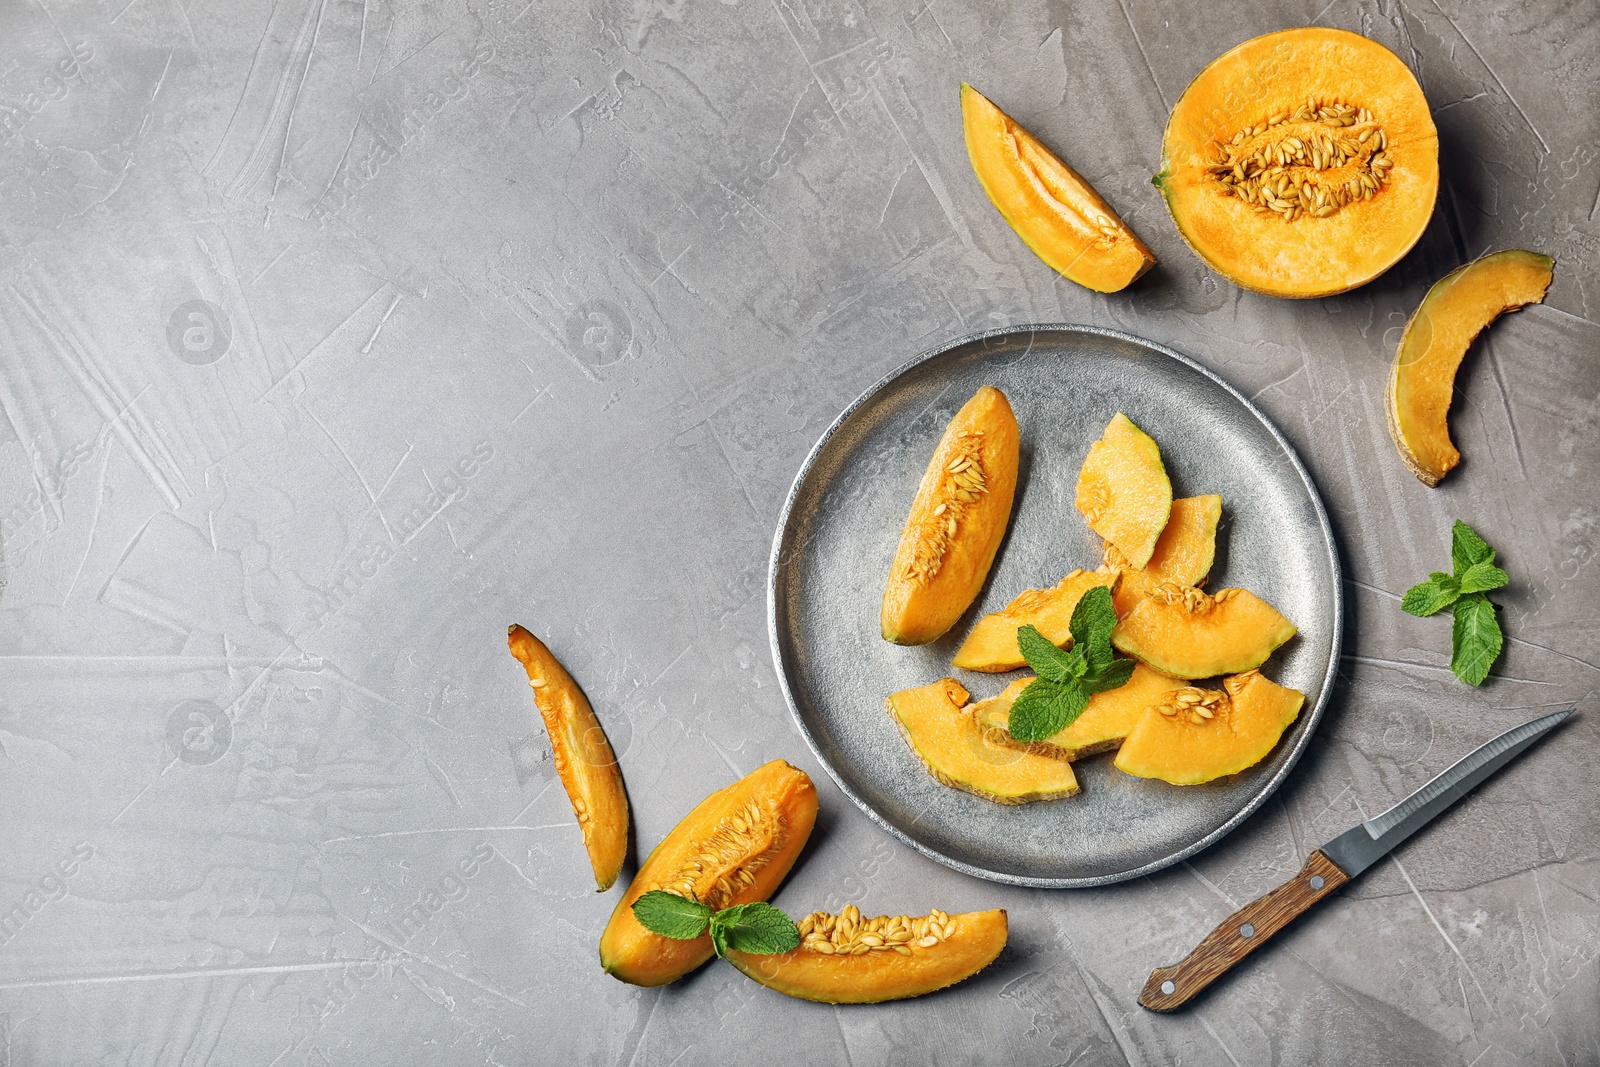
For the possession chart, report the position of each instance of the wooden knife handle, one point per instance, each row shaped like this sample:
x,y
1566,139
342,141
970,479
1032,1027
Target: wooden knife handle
x,y
1240,934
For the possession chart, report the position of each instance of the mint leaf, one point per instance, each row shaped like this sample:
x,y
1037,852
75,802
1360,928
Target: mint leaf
x,y
756,928
1046,708
1467,548
1431,596
671,916
1113,675
1481,577
1043,656
1092,622
1475,637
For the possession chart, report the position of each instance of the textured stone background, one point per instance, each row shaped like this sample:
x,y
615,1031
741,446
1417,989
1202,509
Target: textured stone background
x,y
516,310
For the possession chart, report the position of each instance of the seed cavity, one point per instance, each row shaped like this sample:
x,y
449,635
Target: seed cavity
x,y
1197,705
1194,601
961,483
1046,181
1309,162
1094,496
848,934
727,860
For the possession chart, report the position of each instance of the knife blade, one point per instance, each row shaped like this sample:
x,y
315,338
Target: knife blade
x,y
1334,864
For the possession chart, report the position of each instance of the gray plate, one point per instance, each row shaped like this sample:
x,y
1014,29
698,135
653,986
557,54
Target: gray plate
x,y
842,522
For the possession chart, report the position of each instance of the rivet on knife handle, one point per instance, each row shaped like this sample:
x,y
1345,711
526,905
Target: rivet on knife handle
x,y
1240,934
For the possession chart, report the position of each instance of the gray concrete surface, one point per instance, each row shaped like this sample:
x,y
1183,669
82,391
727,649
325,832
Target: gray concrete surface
x,y
338,335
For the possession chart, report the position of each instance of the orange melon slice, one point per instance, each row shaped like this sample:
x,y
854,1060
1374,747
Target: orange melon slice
x,y
1199,735
1103,726
1187,633
1124,491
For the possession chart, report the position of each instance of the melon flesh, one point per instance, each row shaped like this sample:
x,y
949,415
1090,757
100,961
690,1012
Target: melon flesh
x,y
1051,207
1103,726
941,730
1183,555
825,969
735,847
1422,381
583,758
992,644
1123,490
956,522
1189,634
1177,743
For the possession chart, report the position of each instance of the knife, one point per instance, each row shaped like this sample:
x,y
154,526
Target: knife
x,y
1334,864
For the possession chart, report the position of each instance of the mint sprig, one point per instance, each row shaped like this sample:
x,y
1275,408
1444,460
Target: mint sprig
x,y
1475,637
757,928
1054,700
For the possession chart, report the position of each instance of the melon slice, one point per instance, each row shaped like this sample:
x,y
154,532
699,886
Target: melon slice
x,y
733,848
956,524
1124,492
1187,633
1456,309
1183,554
847,959
992,644
583,758
940,729
1198,735
1102,726
1051,207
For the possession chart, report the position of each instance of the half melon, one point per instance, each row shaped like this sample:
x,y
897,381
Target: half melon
x,y
1301,163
